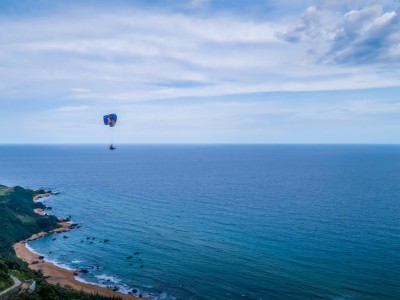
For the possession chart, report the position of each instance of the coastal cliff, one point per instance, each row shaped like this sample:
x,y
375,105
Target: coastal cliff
x,y
18,217
21,223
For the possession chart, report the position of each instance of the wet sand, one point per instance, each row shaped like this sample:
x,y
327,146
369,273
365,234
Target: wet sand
x,y
56,274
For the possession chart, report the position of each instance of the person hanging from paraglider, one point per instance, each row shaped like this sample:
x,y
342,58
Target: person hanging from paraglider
x,y
110,120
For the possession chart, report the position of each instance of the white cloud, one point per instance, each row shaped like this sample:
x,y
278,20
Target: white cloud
x,y
72,109
376,107
367,35
80,90
199,3
136,55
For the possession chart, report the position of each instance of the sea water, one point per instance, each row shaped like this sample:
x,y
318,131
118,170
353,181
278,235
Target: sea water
x,y
222,221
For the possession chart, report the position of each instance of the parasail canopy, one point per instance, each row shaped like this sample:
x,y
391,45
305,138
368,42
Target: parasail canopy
x,y
110,120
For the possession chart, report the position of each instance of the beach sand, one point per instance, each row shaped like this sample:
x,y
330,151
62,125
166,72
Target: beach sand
x,y
39,211
56,274
39,196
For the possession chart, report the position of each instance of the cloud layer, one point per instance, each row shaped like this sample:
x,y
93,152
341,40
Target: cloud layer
x,y
365,36
141,54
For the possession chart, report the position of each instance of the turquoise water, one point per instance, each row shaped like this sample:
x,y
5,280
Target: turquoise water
x,y
223,222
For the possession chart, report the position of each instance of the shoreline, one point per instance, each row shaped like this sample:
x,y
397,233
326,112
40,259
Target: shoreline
x,y
54,273
40,196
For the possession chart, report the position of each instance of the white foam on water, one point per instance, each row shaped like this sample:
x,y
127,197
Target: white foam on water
x,y
76,261
108,278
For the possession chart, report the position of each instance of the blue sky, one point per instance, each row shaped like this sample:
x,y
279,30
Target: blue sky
x,y
200,71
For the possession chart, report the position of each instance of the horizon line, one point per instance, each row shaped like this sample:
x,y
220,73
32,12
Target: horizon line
x,y
194,144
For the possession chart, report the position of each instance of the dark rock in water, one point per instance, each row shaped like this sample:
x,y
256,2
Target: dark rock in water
x,y
50,252
140,295
106,241
131,264
53,239
81,241
91,243
76,273
49,208
65,237
129,257
136,253
93,238
41,257
88,238
134,291
84,271
115,288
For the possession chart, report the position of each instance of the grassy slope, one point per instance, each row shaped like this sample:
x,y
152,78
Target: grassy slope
x,y
17,217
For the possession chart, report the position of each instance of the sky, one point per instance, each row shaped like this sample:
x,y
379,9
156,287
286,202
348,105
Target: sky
x,y
200,71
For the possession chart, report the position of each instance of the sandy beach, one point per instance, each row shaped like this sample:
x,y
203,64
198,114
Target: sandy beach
x,y
39,196
56,274
39,211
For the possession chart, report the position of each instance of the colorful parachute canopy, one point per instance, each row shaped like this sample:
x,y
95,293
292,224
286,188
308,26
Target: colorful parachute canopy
x,y
110,119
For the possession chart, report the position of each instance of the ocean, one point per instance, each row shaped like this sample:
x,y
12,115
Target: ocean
x,y
222,221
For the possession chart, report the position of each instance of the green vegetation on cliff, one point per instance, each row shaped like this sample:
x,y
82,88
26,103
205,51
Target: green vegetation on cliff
x,y
5,280
18,218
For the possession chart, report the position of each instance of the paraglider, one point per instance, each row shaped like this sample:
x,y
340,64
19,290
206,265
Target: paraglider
x,y
110,120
